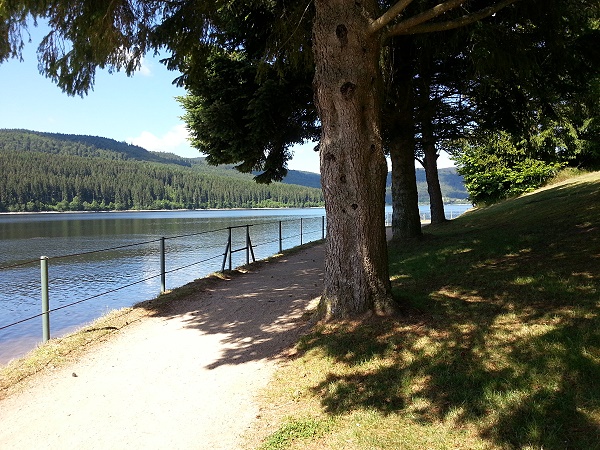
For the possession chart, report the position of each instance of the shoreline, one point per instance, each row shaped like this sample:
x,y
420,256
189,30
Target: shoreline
x,y
156,210
24,213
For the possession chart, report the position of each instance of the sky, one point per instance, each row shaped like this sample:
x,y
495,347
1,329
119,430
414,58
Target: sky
x,y
140,110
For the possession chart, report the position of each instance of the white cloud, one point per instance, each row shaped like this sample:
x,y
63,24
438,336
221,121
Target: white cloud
x,y
445,161
174,141
145,68
305,158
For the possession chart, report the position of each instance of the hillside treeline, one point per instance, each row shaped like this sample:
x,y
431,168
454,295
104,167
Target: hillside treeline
x,y
34,181
78,145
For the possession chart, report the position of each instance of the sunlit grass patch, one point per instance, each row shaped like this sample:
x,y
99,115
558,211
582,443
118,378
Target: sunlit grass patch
x,y
295,430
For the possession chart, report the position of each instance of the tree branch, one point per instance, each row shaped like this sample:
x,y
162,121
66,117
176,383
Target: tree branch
x,y
388,16
425,16
468,19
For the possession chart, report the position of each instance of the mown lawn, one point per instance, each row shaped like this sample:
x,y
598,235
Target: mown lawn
x,y
497,344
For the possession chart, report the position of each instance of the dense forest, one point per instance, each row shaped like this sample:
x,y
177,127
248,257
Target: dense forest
x,y
55,172
60,172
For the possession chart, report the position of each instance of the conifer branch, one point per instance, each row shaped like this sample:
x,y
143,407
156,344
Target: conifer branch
x,y
389,15
402,29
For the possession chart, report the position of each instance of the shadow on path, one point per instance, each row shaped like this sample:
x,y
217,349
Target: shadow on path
x,y
258,313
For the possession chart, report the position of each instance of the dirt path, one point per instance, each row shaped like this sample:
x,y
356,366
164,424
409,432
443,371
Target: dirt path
x,y
185,379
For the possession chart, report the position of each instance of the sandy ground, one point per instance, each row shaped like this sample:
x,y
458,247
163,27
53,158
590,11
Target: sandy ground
x,y
186,379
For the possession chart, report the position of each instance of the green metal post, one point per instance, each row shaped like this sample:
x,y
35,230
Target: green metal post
x,y
230,251
163,281
247,244
280,239
45,299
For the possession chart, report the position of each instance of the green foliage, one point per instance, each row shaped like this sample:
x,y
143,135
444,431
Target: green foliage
x,y
294,430
41,173
494,168
243,111
538,80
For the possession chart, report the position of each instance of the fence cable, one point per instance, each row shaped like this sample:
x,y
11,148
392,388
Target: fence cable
x,y
104,249
12,266
107,292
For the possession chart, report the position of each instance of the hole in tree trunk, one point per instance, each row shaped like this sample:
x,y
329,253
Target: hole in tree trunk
x,y
342,34
347,90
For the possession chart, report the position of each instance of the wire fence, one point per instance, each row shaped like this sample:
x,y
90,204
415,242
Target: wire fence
x,y
212,249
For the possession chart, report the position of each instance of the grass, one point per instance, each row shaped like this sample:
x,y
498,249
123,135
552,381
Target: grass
x,y
497,346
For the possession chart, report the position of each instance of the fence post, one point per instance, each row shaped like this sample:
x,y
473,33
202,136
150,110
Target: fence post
x,y
247,244
45,299
230,245
163,283
280,240
225,256
300,230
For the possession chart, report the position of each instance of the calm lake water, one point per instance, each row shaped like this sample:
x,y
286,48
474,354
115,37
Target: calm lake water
x,y
91,254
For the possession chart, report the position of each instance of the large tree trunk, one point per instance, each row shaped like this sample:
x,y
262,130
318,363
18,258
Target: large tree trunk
x,y
406,220
353,167
436,200
430,156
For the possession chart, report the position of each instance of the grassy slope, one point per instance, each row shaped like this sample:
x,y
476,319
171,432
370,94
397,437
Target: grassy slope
x,y
498,345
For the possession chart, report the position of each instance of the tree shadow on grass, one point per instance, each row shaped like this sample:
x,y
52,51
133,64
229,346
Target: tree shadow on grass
x,y
511,348
544,390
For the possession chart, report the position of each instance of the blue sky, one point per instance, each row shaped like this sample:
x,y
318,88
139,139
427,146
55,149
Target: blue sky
x,y
141,109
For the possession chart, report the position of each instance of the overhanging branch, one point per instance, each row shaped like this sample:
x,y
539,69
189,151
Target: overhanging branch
x,y
426,16
401,29
389,15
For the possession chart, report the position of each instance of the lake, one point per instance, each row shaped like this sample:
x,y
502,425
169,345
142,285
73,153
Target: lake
x,y
92,254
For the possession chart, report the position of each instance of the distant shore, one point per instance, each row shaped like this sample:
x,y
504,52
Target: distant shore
x,y
156,210
188,210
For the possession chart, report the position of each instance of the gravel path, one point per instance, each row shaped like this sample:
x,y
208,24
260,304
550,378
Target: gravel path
x,y
185,379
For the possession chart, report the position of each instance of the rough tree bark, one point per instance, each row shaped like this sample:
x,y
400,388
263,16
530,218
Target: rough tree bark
x,y
406,220
353,167
430,156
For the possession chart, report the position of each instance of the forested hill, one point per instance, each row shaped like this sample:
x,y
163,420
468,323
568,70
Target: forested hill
x,y
45,171
451,183
51,171
79,145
